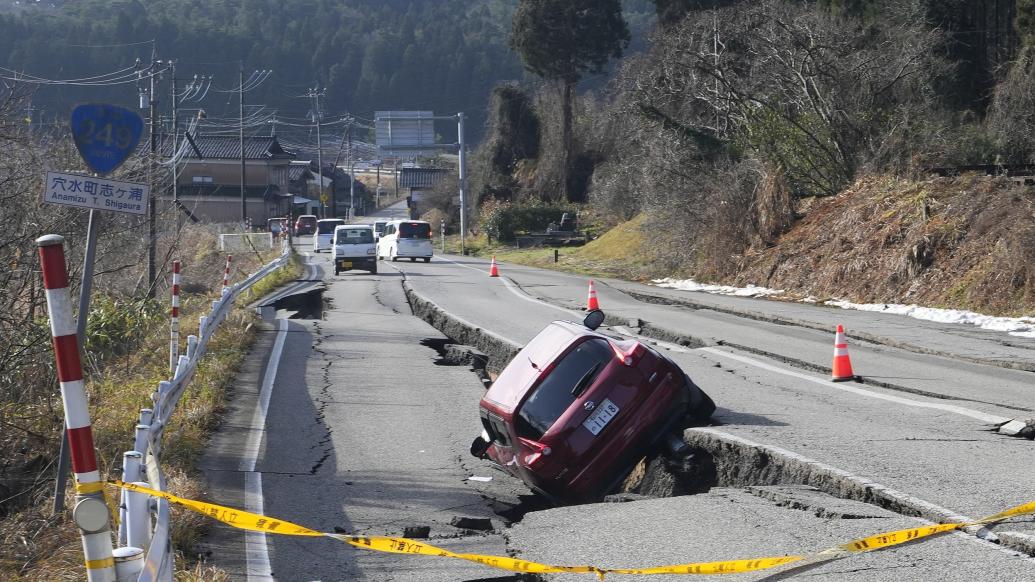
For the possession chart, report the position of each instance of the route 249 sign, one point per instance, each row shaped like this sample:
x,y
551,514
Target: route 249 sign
x,y
105,135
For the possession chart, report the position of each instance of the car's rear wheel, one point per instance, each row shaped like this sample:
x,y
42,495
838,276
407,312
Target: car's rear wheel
x,y
427,259
413,259
373,269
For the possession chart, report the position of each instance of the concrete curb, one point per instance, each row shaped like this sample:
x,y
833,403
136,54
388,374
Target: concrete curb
x,y
499,349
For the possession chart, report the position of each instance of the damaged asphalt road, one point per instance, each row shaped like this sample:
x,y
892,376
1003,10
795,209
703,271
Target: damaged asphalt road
x,y
367,432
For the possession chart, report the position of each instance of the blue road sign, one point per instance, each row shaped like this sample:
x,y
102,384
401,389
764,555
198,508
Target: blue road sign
x,y
105,134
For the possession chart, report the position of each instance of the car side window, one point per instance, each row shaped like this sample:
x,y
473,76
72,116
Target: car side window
x,y
557,391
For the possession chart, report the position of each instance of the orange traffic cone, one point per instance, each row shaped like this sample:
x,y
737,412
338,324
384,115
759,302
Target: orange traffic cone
x,y
842,370
494,271
591,301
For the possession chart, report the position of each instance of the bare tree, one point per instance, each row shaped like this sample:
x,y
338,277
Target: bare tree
x,y
809,92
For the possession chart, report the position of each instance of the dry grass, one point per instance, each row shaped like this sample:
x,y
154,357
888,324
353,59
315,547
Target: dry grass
x,y
35,546
619,252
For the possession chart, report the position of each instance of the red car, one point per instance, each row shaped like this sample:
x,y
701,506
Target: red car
x,y
575,410
306,224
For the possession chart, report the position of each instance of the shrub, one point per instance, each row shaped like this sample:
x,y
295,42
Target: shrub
x,y
503,220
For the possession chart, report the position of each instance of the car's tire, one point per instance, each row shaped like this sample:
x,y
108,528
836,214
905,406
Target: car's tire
x,y
373,270
336,271
413,259
701,407
427,259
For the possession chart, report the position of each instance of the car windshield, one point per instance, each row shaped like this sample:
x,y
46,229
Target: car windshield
x,y
414,230
559,389
354,236
327,227
379,227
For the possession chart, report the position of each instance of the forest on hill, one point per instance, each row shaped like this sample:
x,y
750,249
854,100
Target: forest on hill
x,y
441,55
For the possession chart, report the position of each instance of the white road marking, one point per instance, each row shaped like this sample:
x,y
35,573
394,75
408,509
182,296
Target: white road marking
x,y
963,411
960,410
513,288
256,552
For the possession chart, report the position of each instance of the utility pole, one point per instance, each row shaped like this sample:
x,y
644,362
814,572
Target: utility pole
x,y
175,141
240,92
315,94
463,179
352,169
151,215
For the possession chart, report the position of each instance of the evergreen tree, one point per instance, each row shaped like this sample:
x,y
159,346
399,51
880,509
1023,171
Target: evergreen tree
x,y
563,40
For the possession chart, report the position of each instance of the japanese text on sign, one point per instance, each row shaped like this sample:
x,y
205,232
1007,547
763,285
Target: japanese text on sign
x,y
95,193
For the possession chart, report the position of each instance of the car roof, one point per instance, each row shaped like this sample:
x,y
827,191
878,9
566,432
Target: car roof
x,y
331,220
515,380
307,216
353,226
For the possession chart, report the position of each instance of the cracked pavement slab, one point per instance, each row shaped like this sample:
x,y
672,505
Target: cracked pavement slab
x,y
365,434
730,523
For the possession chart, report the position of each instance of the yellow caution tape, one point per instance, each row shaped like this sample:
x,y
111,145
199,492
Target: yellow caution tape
x,y
393,545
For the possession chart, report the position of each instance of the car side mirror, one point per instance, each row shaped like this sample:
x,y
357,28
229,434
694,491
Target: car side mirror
x,y
479,447
593,319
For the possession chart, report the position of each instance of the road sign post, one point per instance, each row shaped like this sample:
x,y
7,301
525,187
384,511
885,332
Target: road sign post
x,y
105,136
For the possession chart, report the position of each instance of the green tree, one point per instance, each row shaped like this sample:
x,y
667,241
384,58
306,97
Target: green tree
x,y
1025,22
563,40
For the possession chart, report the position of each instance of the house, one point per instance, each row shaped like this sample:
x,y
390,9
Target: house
x,y
418,181
303,188
209,178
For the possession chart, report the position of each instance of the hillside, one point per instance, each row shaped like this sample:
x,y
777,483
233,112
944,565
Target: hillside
x,y
966,242
962,243
442,55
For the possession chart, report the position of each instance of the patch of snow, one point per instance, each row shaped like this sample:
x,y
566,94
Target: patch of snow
x,y
691,285
1016,326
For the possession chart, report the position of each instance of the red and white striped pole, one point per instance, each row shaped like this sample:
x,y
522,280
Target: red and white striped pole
x,y
174,324
226,273
91,512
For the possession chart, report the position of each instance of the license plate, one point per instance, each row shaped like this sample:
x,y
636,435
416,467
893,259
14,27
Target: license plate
x,y
345,264
600,417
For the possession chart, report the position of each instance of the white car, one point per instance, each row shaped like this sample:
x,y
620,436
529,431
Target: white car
x,y
406,239
354,248
324,233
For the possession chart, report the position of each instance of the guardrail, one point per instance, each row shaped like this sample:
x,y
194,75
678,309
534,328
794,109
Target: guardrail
x,y
145,553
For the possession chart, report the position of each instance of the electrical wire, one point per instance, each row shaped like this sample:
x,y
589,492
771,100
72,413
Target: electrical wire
x,y
34,77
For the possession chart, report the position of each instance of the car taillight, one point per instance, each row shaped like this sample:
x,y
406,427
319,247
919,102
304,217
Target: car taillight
x,y
630,356
539,450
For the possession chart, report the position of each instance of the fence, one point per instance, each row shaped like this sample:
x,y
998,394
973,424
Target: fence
x,y
248,241
145,524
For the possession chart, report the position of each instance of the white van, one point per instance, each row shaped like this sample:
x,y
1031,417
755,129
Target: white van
x,y
406,238
354,248
324,233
